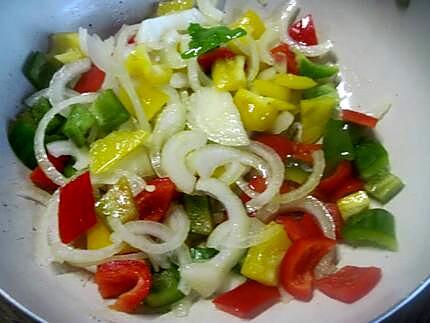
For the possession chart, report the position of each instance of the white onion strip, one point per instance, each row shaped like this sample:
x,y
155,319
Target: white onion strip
x,y
233,172
64,252
208,8
63,76
39,139
311,183
288,15
135,232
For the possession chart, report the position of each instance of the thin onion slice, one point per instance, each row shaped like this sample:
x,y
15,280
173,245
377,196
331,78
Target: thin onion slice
x,y
289,13
68,148
137,183
39,139
311,183
174,154
208,8
283,121
248,46
266,42
233,172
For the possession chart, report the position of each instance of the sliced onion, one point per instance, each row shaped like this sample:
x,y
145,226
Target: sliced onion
x,y
64,252
32,99
173,158
267,74
100,52
179,80
182,307
289,14
129,256
206,277
39,138
159,261
136,233
68,148
137,183
283,121
244,187
233,172
171,55
274,179
311,183
63,76
248,46
266,42
208,8
193,74
123,48
232,281
83,34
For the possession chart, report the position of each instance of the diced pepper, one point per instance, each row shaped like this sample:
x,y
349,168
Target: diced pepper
x,y
69,171
172,6
105,153
313,70
371,159
256,112
207,60
154,205
197,208
152,99
118,202
303,31
353,204
109,111
202,254
349,284
281,53
341,174
65,47
384,188
39,69
252,23
373,227
320,90
75,219
297,270
301,227
164,290
247,300
79,123
295,82
337,143
229,74
90,81
205,39
350,186
98,236
359,118
270,89
39,178
257,184
129,280
262,262
315,113
296,171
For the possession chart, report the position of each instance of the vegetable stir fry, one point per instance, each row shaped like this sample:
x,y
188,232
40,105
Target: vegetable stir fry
x,y
187,151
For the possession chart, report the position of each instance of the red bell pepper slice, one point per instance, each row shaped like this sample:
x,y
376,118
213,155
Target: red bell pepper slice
x,y
350,283
350,186
281,53
300,227
76,212
300,260
303,31
129,279
337,218
341,174
248,300
206,60
154,205
90,81
359,118
42,181
132,40
259,184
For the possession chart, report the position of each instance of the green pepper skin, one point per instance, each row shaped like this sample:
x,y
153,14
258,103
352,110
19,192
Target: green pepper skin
x,y
78,124
198,211
337,143
164,290
373,227
314,70
320,90
371,159
39,69
384,188
202,254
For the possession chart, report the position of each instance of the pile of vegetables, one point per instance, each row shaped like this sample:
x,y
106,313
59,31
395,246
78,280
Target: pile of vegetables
x,y
186,154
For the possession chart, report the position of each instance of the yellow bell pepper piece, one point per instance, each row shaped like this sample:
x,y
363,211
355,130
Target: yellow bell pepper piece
x,y
252,23
256,112
172,6
105,153
229,74
284,106
271,89
315,114
65,47
125,100
295,82
98,236
262,261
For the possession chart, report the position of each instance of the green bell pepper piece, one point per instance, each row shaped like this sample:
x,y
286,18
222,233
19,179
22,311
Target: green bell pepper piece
x,y
297,171
352,204
320,90
384,188
337,143
69,171
39,69
314,70
373,227
371,159
79,123
197,208
201,254
109,111
164,290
